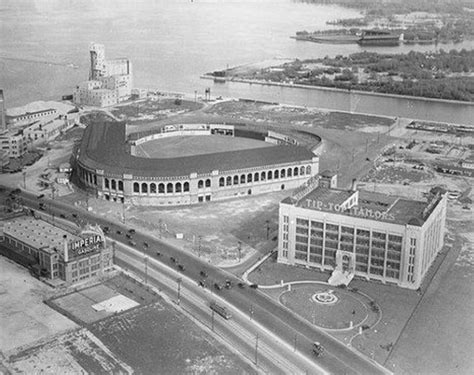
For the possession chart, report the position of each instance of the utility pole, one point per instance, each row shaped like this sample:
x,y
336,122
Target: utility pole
x,y
256,350
145,259
212,320
267,222
178,280
251,312
199,245
24,180
240,250
123,212
160,224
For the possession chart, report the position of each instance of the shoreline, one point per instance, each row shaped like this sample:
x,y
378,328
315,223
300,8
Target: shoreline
x,y
335,89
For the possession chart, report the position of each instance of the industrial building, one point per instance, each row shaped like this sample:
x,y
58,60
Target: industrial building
x,y
359,233
110,81
58,254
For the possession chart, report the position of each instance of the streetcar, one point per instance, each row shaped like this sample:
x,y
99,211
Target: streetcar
x,y
222,311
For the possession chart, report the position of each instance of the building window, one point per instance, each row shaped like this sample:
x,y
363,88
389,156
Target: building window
x,y
221,181
114,185
295,171
269,175
186,187
263,176
136,187
178,187
120,185
255,176
169,188
106,182
153,188
275,174
144,188
289,172
308,169
161,188
208,183
249,177
200,184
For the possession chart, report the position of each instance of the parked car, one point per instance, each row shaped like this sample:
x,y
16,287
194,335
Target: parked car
x,y
132,231
228,284
217,286
132,243
181,267
203,274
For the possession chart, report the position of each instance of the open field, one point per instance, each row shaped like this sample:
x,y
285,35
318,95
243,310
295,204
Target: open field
x,y
156,339
24,318
172,147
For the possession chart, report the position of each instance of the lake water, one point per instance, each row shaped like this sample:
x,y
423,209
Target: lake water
x,y
170,43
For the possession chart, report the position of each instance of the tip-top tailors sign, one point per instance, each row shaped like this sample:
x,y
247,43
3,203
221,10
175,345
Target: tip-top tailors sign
x,y
365,213
86,244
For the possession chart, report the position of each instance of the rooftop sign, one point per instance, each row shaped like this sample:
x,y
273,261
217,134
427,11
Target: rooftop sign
x,y
87,244
366,213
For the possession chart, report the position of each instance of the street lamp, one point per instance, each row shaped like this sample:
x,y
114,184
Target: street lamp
x,y
178,280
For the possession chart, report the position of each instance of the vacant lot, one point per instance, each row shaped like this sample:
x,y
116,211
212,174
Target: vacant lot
x,y
24,318
172,147
155,339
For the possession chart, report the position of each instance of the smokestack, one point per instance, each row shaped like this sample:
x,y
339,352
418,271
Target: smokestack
x,y
66,250
354,184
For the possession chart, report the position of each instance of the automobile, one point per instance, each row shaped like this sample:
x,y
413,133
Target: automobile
x,y
217,286
74,216
132,231
241,285
40,196
132,243
62,216
318,349
202,283
145,243
228,284
119,232
158,254
368,159
128,235
173,259
106,229
203,274
181,267
41,207
254,286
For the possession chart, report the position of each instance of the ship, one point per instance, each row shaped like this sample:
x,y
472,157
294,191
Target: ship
x,y
329,39
379,38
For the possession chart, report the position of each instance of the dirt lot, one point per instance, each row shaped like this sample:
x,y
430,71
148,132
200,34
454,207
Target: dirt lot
x,y
148,339
24,318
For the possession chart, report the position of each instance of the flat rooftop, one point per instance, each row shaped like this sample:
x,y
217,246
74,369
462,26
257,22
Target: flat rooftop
x,y
371,205
38,234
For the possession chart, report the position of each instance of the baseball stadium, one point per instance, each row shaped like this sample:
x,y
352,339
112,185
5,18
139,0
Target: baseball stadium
x,y
190,163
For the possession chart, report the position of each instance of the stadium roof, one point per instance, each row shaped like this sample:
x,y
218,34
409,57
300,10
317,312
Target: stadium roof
x,y
104,146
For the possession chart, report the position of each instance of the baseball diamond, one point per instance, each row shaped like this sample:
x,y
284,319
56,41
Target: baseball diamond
x,y
113,163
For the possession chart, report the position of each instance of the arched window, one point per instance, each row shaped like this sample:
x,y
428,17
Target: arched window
x,y
242,179
107,184
255,176
308,169
229,181
208,183
275,174
270,175
169,188
282,173
222,181
161,188
236,180
114,184
263,176
136,187
249,177
289,172
200,184
186,186
295,171
120,185
177,187
144,188
95,179
301,171
153,188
